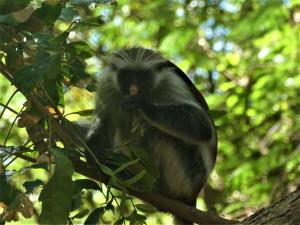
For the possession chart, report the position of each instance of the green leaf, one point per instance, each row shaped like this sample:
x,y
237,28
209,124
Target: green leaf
x,y
123,201
81,49
31,185
77,70
109,206
146,208
67,14
88,2
116,182
8,6
92,87
87,112
27,77
43,166
94,217
91,21
136,218
146,160
8,193
119,221
8,19
56,196
76,200
136,178
60,39
126,165
81,214
54,66
48,13
107,170
43,41
55,91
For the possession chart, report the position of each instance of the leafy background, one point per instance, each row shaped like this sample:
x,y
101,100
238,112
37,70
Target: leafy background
x,y
244,56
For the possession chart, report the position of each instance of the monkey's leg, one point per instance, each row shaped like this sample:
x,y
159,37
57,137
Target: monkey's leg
x,y
97,141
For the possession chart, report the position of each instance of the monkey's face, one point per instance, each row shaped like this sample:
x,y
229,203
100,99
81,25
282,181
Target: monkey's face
x,y
134,80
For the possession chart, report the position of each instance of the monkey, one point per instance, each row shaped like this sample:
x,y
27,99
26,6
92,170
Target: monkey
x,y
139,84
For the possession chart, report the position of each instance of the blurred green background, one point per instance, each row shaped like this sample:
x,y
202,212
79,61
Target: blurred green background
x,y
244,56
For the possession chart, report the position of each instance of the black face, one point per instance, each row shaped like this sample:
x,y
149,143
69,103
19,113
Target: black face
x,y
142,78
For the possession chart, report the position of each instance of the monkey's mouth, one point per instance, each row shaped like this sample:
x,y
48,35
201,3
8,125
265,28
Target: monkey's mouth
x,y
133,89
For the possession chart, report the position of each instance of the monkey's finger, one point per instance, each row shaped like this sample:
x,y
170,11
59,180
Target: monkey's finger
x,y
129,104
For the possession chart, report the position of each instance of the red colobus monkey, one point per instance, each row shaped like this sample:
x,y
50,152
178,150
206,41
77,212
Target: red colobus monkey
x,y
178,133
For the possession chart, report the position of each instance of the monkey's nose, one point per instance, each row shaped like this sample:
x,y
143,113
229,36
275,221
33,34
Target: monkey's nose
x,y
133,89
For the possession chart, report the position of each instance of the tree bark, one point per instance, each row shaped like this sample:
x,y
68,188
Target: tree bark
x,y
284,212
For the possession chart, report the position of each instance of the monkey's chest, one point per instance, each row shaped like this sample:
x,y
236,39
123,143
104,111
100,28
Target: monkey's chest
x,y
129,134
160,147
178,171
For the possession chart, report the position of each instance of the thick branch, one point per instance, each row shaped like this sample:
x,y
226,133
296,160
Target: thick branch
x,y
162,203
284,212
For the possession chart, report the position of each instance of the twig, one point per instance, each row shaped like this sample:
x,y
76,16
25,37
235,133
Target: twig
x,y
7,103
11,126
7,107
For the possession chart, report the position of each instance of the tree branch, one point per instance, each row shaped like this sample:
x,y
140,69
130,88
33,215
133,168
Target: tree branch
x,y
284,212
162,203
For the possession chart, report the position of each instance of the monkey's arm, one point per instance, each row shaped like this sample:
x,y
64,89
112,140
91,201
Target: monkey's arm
x,y
186,122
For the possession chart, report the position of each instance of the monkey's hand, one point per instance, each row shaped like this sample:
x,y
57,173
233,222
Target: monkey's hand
x,y
133,103
136,103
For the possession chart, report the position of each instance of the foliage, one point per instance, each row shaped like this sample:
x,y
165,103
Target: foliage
x,y
243,55
56,205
